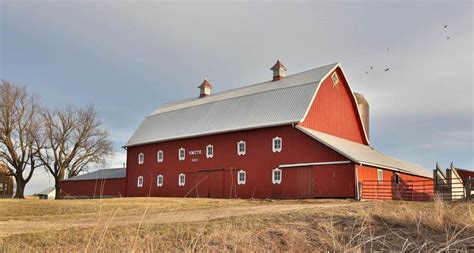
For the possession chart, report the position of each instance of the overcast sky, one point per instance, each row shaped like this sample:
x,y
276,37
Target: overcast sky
x,y
129,57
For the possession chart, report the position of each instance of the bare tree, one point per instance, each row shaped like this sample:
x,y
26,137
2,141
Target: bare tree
x,y
19,127
73,139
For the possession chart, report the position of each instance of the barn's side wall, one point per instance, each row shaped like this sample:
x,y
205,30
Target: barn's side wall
x,y
419,187
334,111
216,177
94,188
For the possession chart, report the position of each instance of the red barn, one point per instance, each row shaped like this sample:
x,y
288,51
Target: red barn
x,y
99,183
296,136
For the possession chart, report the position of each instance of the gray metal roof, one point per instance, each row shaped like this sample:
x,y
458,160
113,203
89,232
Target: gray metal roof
x,y
261,105
115,173
364,154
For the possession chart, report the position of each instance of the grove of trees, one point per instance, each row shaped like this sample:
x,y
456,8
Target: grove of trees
x,y
63,141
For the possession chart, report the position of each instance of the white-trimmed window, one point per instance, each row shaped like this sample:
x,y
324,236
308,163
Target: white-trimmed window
x,y
379,175
159,156
159,181
141,158
209,151
241,148
181,179
334,78
241,177
277,144
276,176
140,182
181,154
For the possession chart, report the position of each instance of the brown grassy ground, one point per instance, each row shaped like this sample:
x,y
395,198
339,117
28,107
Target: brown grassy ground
x,y
172,224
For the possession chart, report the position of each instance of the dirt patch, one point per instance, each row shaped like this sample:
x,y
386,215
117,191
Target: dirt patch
x,y
17,226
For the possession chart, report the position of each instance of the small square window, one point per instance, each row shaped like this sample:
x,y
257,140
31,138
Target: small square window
x,y
209,151
335,79
241,177
159,181
159,156
141,158
181,154
181,179
140,182
276,176
241,148
277,144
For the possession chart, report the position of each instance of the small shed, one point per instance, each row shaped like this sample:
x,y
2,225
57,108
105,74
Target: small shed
x,y
48,193
96,184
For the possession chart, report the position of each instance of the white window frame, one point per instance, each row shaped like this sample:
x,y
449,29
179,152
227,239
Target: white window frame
x,y
239,152
141,158
179,179
334,78
240,172
379,175
274,180
211,147
274,140
158,183
140,181
160,156
181,158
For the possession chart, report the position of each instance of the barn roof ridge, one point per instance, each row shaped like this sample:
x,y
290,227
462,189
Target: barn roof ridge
x,y
272,85
236,97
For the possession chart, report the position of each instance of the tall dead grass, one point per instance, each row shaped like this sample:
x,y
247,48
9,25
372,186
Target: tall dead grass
x,y
367,226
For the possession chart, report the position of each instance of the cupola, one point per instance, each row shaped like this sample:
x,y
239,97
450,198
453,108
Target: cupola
x,y
279,71
205,88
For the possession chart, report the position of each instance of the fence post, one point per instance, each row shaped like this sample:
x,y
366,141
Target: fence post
x,y
468,187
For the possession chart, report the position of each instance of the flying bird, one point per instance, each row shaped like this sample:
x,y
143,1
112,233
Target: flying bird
x,y
371,67
388,49
445,26
447,38
387,69
366,72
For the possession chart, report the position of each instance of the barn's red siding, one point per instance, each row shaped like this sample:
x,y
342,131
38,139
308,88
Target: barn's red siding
x,y
328,181
334,111
94,188
418,187
220,172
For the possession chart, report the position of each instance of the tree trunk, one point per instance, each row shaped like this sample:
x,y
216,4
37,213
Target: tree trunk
x,y
20,189
57,186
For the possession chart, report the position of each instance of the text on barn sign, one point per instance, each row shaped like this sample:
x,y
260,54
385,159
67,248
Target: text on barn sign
x,y
195,152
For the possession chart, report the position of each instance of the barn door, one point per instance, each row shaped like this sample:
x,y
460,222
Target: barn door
x,y
297,182
201,185
305,183
216,184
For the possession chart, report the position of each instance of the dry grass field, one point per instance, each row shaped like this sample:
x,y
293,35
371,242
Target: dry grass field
x,y
174,224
